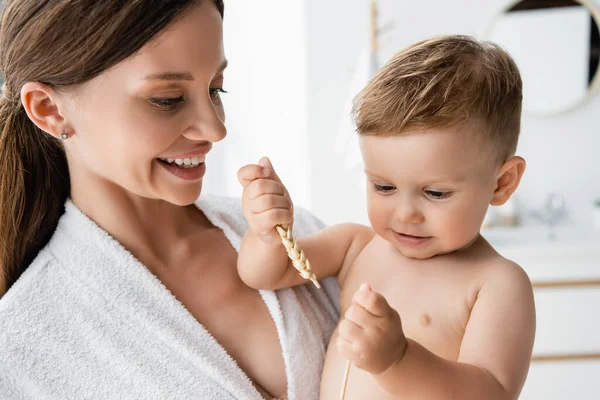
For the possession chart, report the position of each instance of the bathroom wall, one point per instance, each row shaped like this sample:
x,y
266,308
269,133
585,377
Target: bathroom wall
x,y
562,151
292,71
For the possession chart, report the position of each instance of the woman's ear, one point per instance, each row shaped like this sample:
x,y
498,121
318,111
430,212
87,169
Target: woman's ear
x,y
42,105
508,179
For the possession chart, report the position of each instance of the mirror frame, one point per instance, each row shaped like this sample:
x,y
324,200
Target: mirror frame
x,y
594,85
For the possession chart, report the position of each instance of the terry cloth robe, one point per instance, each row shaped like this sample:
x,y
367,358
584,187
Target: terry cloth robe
x,y
87,320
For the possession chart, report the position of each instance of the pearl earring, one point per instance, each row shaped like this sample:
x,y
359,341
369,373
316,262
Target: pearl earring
x,y
64,136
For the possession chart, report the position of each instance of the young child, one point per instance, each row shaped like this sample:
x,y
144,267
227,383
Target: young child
x,y
429,309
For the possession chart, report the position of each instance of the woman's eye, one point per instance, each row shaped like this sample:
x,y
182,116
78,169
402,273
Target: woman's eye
x,y
384,188
215,92
438,195
167,103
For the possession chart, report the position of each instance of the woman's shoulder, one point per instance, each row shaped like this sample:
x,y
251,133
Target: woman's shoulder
x,y
28,300
221,207
32,277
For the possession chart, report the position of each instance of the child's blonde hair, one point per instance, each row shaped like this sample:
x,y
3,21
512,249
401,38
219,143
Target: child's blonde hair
x,y
443,82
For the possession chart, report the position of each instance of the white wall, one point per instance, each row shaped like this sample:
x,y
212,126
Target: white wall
x,y
266,107
562,151
292,63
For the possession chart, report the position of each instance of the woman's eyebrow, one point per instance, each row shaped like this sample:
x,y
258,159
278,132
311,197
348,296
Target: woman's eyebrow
x,y
180,76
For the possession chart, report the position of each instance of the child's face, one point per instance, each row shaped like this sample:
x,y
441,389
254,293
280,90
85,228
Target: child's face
x,y
428,192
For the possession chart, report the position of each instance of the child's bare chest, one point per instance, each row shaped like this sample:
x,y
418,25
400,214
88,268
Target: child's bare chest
x,y
434,305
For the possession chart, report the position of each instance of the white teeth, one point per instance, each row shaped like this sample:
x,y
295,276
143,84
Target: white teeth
x,y
184,162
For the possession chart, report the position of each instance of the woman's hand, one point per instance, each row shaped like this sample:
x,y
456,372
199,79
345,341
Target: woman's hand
x,y
370,334
265,200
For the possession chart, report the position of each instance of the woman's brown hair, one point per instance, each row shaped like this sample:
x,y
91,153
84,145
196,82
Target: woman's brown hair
x,y
60,44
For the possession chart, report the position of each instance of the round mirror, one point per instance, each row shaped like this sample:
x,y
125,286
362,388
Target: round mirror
x,y
556,45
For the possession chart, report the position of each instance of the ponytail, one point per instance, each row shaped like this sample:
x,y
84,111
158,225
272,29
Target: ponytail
x,y
34,184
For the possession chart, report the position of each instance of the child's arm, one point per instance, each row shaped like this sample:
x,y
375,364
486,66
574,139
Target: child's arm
x,y
494,356
262,260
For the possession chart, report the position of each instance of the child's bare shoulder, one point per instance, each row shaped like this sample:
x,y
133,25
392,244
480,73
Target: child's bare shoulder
x,y
361,235
505,276
356,237
347,229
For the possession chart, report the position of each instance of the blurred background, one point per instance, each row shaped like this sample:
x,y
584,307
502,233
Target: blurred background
x,y
295,66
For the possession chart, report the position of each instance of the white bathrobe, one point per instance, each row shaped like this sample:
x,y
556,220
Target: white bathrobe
x,y
88,321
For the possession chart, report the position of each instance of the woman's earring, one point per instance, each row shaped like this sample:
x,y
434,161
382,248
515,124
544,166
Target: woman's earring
x,y
64,136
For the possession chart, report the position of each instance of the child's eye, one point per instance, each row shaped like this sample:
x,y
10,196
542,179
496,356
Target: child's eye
x,y
438,195
167,103
384,188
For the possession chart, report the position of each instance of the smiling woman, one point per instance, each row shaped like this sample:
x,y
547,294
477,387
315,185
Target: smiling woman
x,y
69,97
116,279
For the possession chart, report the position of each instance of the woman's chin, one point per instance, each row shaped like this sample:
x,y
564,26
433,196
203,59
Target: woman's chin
x,y
183,196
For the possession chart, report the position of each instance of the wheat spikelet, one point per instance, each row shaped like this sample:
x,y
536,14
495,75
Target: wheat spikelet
x,y
296,254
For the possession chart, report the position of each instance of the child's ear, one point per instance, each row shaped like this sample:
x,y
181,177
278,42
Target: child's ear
x,y
508,178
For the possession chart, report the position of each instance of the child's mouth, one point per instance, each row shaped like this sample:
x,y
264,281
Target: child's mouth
x,y
411,239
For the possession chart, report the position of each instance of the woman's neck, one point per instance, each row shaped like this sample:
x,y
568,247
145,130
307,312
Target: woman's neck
x,y
154,229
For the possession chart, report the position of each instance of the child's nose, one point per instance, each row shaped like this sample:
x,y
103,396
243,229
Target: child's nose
x,y
407,212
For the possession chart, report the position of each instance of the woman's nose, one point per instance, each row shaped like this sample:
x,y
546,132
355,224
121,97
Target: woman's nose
x,y
208,124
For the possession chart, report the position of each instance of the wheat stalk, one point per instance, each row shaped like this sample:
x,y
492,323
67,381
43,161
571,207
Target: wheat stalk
x,y
296,254
345,381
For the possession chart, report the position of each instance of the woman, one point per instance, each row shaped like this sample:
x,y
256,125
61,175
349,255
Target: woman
x,y
115,283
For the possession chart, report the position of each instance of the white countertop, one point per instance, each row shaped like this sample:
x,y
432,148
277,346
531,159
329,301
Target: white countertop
x,y
573,255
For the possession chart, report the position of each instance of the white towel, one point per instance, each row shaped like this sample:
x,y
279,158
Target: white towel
x,y
87,320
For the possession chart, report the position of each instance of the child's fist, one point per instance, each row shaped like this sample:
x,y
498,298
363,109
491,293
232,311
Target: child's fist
x,y
370,334
265,200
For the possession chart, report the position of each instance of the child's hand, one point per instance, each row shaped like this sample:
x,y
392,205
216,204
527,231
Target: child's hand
x,y
265,200
370,334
